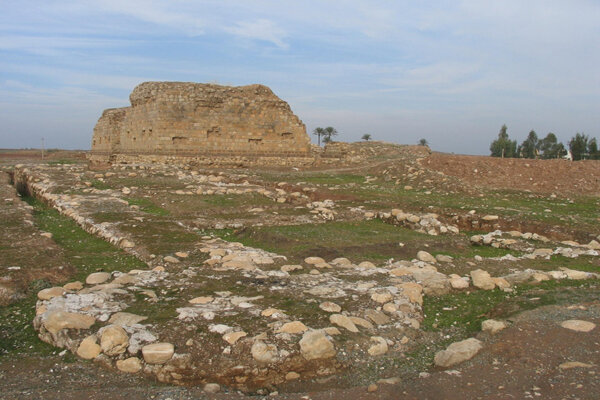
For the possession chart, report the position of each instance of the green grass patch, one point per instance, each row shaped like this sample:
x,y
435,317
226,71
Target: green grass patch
x,y
374,240
86,252
147,206
100,185
463,312
483,251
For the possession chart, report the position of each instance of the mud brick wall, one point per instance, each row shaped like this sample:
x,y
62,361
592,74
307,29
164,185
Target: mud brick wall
x,y
193,118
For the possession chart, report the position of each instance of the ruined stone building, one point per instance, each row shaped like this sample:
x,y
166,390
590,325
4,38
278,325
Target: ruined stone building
x,y
203,122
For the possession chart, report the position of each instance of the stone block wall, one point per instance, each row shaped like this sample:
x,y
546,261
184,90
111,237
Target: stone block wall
x,y
191,119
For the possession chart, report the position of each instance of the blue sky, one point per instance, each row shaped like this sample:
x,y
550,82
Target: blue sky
x,y
449,71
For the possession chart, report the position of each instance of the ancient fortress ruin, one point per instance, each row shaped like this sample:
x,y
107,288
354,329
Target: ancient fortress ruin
x,y
201,123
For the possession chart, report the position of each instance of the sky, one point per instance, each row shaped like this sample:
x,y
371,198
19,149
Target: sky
x,y
451,72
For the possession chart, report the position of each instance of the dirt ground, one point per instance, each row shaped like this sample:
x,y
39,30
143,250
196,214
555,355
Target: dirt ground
x,y
563,177
519,362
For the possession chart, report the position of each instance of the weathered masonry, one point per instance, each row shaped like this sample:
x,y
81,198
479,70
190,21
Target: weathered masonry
x,y
175,120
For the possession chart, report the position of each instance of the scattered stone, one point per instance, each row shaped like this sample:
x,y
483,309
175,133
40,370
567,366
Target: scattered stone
x,y
126,244
341,262
492,326
60,320
390,381
315,345
269,312
367,265
88,348
73,286
201,300
212,388
126,319
290,376
290,268
444,258
458,282
182,254
574,274
490,218
457,352
97,278
482,279
380,347
378,317
332,331
382,298
426,257
292,328
372,388
114,340
343,321
171,259
264,353
131,365
501,283
329,306
574,364
413,291
50,293
390,308
578,325
158,353
233,337
361,322
314,260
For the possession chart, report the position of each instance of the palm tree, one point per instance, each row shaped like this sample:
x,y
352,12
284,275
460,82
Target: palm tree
x,y
319,132
366,137
329,132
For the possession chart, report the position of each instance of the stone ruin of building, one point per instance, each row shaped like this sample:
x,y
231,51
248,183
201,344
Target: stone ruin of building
x,y
201,123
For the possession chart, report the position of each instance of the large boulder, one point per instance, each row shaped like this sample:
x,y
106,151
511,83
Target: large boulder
x,y
457,353
315,345
114,340
130,365
59,320
158,353
88,348
482,279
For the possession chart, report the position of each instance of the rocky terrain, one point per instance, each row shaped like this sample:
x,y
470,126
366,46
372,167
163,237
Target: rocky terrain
x,y
394,274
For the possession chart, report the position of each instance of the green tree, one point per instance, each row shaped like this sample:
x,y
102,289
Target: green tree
x,y
423,142
503,146
328,133
593,149
551,148
530,146
579,146
319,132
366,137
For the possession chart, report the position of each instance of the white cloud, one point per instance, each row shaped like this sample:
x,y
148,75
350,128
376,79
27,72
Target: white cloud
x,y
261,29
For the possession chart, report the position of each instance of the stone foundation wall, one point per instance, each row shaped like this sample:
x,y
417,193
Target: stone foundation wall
x,y
209,159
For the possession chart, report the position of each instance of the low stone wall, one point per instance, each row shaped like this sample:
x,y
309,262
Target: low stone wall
x,y
105,159
28,183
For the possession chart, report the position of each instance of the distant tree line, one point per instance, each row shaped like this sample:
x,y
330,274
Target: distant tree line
x,y
581,146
